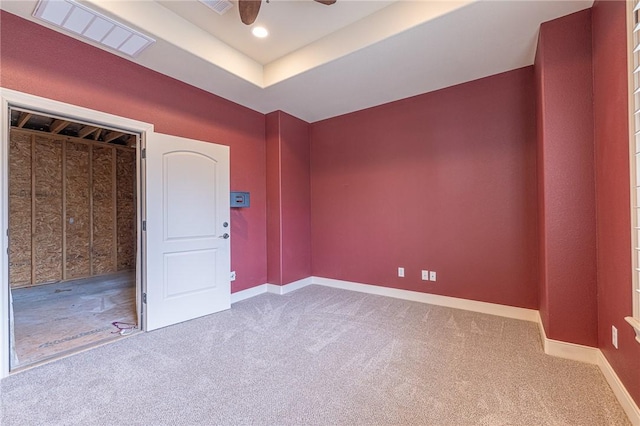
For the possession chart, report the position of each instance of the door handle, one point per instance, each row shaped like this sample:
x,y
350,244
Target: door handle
x,y
225,236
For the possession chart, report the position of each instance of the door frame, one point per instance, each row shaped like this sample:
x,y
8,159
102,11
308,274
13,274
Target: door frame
x,y
11,98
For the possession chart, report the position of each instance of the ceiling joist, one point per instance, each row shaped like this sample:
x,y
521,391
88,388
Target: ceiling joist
x,y
111,136
24,117
57,126
86,131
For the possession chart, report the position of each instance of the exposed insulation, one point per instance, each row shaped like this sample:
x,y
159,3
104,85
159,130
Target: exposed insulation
x,y
19,209
126,210
103,211
78,256
47,237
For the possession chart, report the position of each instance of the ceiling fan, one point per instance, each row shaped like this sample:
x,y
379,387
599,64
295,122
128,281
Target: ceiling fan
x,y
249,9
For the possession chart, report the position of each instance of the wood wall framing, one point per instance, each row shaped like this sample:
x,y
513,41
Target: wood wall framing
x,y
72,208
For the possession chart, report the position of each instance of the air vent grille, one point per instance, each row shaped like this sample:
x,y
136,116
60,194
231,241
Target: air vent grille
x,y
220,6
92,25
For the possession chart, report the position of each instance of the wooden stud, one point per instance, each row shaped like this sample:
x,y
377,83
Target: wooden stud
x,y
91,209
33,209
114,196
57,126
24,117
64,210
132,141
96,135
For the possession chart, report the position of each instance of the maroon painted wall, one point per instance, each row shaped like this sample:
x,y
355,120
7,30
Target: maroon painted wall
x,y
288,199
274,209
42,62
543,304
566,180
444,181
612,190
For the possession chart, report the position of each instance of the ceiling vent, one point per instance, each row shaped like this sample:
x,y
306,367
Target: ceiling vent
x,y
220,6
92,25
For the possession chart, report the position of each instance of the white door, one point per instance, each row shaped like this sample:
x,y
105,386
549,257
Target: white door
x,y
187,230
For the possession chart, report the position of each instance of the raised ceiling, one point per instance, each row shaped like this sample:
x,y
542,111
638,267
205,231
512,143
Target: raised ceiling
x,y
321,61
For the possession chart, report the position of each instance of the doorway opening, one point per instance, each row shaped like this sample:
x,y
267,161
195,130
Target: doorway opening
x,y
72,235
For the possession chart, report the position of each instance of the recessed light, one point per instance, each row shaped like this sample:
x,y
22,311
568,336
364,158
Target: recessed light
x,y
260,32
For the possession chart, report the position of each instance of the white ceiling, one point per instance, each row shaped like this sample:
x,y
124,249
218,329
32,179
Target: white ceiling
x,y
321,61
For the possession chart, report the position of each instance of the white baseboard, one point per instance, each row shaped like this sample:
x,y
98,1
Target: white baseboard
x,y
433,299
624,398
288,288
567,350
241,295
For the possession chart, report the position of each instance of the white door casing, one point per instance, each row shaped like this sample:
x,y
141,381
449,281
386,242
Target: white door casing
x,y
11,98
188,250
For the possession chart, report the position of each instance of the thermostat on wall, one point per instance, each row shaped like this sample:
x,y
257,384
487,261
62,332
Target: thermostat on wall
x,y
239,199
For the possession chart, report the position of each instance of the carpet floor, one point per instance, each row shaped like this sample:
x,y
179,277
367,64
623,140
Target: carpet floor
x,y
317,356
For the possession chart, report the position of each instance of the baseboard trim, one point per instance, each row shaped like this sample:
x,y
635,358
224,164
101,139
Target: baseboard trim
x,y
241,295
624,398
433,299
288,288
567,350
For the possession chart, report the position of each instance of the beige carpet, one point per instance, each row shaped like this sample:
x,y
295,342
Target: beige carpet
x,y
318,356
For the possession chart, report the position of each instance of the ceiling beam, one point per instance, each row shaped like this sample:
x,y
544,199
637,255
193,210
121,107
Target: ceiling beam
x,y
96,135
24,117
58,125
111,136
86,131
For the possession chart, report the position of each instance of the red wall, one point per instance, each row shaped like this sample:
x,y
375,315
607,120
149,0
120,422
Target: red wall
x,y
288,199
444,181
566,180
612,190
42,62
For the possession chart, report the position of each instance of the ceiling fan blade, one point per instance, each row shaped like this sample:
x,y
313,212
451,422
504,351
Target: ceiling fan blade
x,y
327,2
249,10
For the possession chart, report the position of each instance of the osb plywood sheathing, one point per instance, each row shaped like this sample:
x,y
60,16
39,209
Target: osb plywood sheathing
x,y
126,211
104,208
48,210
76,207
20,146
79,222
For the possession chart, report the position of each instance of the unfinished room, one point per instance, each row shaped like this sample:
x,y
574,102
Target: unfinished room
x,y
316,212
72,235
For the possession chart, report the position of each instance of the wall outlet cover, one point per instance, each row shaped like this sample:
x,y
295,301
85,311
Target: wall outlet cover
x,y
401,272
425,275
432,276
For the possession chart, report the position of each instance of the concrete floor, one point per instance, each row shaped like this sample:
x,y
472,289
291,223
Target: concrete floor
x,y
55,319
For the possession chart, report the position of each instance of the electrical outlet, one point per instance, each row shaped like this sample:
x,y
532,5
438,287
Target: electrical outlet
x,y
425,275
401,272
614,336
233,275
432,276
